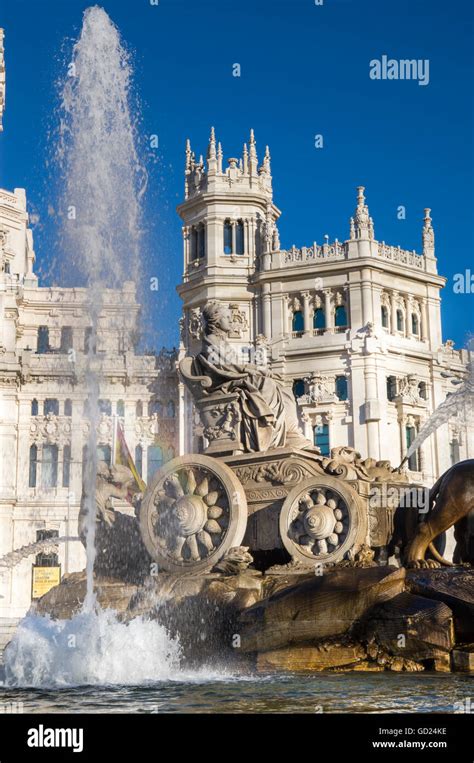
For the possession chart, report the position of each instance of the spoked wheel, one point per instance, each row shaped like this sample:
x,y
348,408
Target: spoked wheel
x,y
321,520
193,511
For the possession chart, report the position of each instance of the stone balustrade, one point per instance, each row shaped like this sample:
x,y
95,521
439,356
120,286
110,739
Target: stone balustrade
x,y
403,256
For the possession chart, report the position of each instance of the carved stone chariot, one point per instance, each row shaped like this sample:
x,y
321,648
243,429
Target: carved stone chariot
x,y
259,483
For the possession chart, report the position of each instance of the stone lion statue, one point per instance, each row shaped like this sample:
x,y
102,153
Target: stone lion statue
x,y
111,482
451,502
120,551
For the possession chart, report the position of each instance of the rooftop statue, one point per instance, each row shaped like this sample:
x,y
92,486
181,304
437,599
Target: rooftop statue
x,y
267,408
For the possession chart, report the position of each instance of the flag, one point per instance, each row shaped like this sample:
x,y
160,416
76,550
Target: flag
x,y
122,456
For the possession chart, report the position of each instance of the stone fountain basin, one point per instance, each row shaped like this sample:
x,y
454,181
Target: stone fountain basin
x,y
348,619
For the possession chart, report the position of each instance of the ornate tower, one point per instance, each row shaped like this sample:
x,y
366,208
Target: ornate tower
x,y
229,230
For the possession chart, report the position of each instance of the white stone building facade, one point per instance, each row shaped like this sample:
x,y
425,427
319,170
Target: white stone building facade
x,y
355,325
44,332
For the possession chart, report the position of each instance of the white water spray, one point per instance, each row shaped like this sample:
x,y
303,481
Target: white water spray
x,y
461,401
103,182
93,648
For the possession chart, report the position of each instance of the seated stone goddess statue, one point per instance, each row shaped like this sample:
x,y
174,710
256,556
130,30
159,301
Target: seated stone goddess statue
x,y
268,407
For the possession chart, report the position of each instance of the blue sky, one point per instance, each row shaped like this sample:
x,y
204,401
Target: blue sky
x,y
304,71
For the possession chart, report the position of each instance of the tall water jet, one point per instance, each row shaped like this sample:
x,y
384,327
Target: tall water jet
x,y
102,184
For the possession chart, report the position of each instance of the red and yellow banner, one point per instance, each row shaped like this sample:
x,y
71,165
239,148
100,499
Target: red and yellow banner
x,y
122,456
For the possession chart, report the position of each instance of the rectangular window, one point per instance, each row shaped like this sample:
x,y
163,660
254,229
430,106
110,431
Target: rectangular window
x,y
321,439
66,465
49,466
227,238
341,388
33,466
413,460
239,238
51,405
66,339
43,340
42,559
89,341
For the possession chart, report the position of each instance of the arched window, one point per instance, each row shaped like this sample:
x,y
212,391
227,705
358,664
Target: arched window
x,y
239,237
201,241
391,387
43,340
66,465
49,466
341,388
423,390
68,407
194,244
33,466
227,237
139,409
34,407
384,313
319,319
120,408
340,316
455,451
139,459
321,439
298,321
170,410
298,387
51,405
105,406
400,321
104,453
413,464
415,324
155,406
154,459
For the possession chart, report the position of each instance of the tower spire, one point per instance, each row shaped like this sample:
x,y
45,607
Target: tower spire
x,y
253,160
211,154
428,239
267,160
245,160
363,225
219,158
188,154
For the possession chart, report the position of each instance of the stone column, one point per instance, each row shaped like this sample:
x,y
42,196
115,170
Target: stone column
x,y
424,321
328,314
366,297
306,315
267,315
408,316
394,311
285,315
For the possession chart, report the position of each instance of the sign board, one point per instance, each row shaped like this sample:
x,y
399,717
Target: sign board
x,y
43,579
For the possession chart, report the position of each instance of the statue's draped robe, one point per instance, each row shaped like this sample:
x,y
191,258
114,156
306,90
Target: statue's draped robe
x,y
269,418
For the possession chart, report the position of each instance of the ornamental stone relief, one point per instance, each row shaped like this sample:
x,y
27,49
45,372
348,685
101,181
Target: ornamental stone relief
x,y
239,322
51,429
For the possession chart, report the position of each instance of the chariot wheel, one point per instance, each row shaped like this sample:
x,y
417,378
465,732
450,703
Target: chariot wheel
x,y
193,511
321,519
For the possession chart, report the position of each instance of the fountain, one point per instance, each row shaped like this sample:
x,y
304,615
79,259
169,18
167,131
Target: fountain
x,y
461,401
197,595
